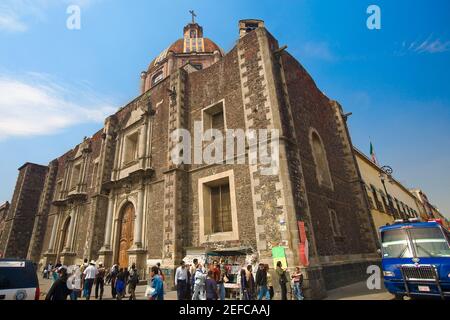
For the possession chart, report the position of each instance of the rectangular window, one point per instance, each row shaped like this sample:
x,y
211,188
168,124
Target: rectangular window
x,y
131,148
75,176
214,117
221,209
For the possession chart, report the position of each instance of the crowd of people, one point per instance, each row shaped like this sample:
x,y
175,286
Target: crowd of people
x,y
78,281
193,282
207,282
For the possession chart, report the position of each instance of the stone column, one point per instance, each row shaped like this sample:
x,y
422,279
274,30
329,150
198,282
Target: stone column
x,y
143,143
105,253
139,216
51,247
109,218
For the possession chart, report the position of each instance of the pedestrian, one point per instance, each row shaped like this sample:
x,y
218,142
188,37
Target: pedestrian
x,y
181,281
49,270
133,281
127,277
297,278
84,265
114,273
193,270
45,272
74,283
157,284
120,284
250,283
282,280
100,281
89,275
261,282
160,272
243,284
218,277
199,283
59,290
189,283
55,273
211,287
269,282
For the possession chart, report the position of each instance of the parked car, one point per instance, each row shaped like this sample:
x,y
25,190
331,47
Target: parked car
x,y
18,280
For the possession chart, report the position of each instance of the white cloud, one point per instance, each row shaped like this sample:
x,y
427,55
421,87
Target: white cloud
x,y
318,50
36,104
17,15
11,23
430,45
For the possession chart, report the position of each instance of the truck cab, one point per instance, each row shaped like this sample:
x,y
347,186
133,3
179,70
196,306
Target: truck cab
x,y
416,259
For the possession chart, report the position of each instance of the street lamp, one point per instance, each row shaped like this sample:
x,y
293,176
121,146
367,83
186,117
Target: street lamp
x,y
386,174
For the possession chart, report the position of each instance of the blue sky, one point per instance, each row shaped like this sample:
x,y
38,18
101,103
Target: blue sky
x,y
57,85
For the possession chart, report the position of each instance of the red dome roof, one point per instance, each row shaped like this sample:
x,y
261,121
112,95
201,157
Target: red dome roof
x,y
178,48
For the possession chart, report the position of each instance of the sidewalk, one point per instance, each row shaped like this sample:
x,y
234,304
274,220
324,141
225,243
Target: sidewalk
x,y
357,291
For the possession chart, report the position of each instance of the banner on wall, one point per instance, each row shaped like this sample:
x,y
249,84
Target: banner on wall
x,y
279,254
303,250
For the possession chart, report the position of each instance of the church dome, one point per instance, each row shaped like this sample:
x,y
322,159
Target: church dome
x,y
192,49
206,46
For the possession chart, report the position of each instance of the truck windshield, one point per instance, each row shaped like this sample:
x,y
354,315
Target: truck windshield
x,y
395,244
429,242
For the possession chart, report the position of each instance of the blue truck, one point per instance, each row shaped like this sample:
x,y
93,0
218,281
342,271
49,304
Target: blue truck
x,y
416,259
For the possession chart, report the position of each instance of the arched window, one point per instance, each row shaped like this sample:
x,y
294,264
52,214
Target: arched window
x,y
320,159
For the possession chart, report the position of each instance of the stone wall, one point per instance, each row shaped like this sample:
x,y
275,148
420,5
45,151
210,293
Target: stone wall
x,y
20,220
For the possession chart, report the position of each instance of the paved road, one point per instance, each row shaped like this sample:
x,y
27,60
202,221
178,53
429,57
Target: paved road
x,y
356,291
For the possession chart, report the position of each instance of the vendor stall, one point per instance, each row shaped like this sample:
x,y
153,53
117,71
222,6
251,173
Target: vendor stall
x,y
235,259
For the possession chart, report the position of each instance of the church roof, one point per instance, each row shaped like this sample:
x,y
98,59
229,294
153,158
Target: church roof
x,y
193,43
179,47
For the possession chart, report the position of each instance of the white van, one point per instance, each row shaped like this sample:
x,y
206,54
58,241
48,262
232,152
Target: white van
x,y
18,280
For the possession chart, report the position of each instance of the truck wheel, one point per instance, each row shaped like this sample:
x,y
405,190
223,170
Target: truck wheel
x,y
399,297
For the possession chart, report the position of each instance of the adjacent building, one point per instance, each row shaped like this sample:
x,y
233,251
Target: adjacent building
x,y
119,196
3,214
429,210
18,224
388,199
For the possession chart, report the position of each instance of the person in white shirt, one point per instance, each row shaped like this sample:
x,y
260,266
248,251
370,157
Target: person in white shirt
x,y
74,283
181,281
89,276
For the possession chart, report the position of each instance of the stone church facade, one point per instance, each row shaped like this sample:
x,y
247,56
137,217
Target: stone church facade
x,y
118,196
